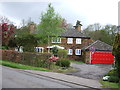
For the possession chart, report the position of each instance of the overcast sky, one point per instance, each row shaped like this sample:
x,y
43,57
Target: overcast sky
x,y
87,11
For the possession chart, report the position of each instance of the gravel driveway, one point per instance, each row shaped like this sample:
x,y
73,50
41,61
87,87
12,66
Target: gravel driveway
x,y
90,71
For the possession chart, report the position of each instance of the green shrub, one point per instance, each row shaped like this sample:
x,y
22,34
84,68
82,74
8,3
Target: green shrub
x,y
27,58
112,73
113,79
62,53
63,63
3,47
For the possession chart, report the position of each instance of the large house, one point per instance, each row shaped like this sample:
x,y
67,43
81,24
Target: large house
x,y
72,40
79,46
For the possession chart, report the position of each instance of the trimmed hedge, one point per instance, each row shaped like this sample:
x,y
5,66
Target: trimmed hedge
x,y
63,63
28,58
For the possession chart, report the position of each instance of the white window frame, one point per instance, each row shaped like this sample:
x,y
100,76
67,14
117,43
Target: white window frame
x,y
70,52
41,49
78,52
78,41
58,40
70,40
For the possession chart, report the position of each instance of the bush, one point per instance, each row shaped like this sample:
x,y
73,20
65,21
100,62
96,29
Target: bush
x,y
63,63
3,47
113,79
62,53
112,73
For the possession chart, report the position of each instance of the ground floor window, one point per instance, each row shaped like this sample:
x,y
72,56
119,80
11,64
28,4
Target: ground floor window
x,y
70,51
39,49
78,52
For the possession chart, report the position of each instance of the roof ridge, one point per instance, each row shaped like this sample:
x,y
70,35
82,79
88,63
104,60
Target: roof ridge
x,y
91,44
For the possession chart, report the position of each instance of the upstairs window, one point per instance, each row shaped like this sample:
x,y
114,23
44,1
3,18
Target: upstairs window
x,y
69,40
56,40
70,51
78,40
78,52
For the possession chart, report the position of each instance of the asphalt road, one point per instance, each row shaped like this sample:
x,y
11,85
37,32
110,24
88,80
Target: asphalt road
x,y
16,78
90,71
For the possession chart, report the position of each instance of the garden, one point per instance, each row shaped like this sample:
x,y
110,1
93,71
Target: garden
x,y
55,61
112,78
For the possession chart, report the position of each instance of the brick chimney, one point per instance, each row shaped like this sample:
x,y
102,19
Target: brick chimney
x,y
32,28
78,26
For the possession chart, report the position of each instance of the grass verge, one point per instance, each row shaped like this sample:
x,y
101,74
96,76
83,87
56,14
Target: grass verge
x,y
106,84
21,66
72,61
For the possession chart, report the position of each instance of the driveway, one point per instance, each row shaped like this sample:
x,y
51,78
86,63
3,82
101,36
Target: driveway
x,y
90,71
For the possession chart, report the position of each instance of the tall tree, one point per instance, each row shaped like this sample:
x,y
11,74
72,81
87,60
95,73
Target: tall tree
x,y
50,24
104,33
116,52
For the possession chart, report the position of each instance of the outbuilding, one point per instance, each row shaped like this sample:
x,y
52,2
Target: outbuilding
x,y
98,52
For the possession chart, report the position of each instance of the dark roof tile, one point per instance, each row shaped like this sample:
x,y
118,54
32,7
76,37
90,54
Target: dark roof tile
x,y
73,33
99,45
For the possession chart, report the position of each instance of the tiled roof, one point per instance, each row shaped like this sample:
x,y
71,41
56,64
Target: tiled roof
x,y
99,45
73,33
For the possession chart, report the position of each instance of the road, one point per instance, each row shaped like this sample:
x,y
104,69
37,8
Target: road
x,y
16,78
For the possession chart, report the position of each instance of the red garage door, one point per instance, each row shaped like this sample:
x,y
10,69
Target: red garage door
x,y
102,58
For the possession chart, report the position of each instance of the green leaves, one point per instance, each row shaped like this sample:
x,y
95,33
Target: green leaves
x,y
104,33
50,24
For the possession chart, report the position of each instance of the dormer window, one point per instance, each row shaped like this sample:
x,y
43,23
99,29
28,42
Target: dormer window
x,y
56,40
78,40
69,40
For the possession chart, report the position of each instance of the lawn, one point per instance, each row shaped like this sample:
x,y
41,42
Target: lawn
x,y
107,84
54,68
20,66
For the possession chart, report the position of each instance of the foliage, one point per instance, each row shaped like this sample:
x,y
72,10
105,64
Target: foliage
x,y
107,84
63,63
3,47
21,66
22,31
113,79
27,58
116,53
28,41
62,53
104,33
49,25
55,51
112,72
7,31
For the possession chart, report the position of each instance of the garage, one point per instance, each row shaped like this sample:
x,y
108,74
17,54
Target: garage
x,y
102,58
98,52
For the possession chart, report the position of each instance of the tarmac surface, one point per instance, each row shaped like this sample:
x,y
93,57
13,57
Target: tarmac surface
x,y
90,71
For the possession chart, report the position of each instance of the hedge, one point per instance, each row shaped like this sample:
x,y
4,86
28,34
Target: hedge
x,y
27,58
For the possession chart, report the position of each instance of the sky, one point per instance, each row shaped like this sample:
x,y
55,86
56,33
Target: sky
x,y
87,11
